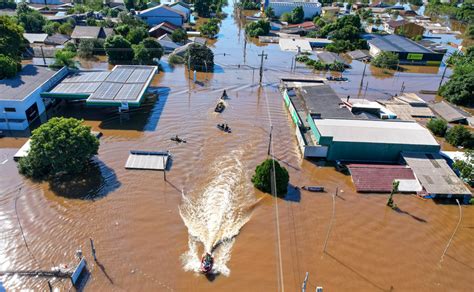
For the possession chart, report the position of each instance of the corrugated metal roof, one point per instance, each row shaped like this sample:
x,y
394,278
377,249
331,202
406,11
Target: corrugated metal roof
x,y
292,44
434,174
365,131
147,160
378,178
395,43
448,112
35,37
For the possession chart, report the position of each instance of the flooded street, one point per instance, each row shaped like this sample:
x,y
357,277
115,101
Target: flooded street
x,y
150,233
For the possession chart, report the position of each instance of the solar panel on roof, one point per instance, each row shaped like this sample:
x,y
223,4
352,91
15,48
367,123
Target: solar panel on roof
x,y
106,90
139,76
120,75
129,92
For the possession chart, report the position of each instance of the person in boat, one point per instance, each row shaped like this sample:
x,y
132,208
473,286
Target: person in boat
x,y
226,127
224,94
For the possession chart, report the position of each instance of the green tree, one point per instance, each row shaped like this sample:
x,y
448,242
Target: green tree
x,y
51,27
258,28
154,48
64,58
199,58
179,36
466,167
437,127
60,146
210,28
130,4
262,177
387,60
470,31
86,48
12,44
70,47
9,67
118,49
202,7
286,17
297,15
459,89
136,35
91,21
66,28
123,29
270,13
30,19
460,136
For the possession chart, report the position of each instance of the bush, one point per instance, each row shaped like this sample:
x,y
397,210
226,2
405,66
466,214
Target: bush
x,y
175,59
9,67
51,27
386,60
86,48
179,36
258,28
66,28
437,127
70,47
60,146
262,177
64,58
210,28
460,136
136,35
286,17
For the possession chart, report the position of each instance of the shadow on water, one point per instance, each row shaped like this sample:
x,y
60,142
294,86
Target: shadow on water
x,y
293,194
157,107
357,273
95,182
419,219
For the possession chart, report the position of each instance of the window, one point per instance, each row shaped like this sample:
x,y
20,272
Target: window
x,y
10,109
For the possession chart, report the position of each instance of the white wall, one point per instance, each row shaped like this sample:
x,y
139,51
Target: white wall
x,y
17,120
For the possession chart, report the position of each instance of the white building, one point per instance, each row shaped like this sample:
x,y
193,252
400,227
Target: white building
x,y
158,14
20,97
310,7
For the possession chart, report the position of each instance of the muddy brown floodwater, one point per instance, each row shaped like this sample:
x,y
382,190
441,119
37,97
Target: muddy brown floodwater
x,y
149,234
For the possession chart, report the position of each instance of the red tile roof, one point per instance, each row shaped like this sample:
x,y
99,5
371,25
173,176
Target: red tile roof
x,y
305,25
375,178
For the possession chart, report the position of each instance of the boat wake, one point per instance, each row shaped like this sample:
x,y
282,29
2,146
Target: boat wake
x,y
215,216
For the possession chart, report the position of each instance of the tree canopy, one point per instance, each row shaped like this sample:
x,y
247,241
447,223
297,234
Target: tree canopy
x,y
466,167
179,36
64,58
210,28
387,60
118,49
30,19
437,127
258,28
12,45
199,58
60,146
137,34
145,52
460,136
262,177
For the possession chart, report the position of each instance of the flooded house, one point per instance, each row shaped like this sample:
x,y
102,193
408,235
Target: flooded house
x,y
163,13
408,51
404,27
310,7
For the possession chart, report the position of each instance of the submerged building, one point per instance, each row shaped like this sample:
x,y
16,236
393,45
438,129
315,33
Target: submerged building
x,y
311,8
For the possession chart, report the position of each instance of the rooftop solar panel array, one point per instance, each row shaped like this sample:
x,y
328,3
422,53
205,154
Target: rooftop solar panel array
x,y
123,83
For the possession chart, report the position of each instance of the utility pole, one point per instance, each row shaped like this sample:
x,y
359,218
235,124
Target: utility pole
x,y
164,168
363,74
42,54
442,77
270,141
261,65
332,218
402,89
93,249
305,281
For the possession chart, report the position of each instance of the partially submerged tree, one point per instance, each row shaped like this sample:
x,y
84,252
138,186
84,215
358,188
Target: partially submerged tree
x,y
86,48
118,49
390,201
199,58
437,127
60,146
64,58
386,60
179,36
257,28
460,136
262,178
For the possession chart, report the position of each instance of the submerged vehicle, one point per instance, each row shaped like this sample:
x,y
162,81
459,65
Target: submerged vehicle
x,y
331,78
220,106
178,139
224,127
207,262
313,188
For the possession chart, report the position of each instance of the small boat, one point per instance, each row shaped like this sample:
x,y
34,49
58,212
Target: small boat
x,y
220,106
178,139
330,78
313,188
207,262
224,127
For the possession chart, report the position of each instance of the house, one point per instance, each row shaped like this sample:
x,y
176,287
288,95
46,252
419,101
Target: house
x,y
20,99
162,29
299,28
311,8
162,13
403,27
450,113
46,2
57,39
183,7
88,32
408,51
330,11
331,58
35,38
408,13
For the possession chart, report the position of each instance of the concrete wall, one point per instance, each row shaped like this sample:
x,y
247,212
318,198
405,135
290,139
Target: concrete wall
x,y
17,121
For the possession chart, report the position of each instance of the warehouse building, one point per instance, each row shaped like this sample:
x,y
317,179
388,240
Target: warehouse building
x,y
371,140
311,8
409,52
20,97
